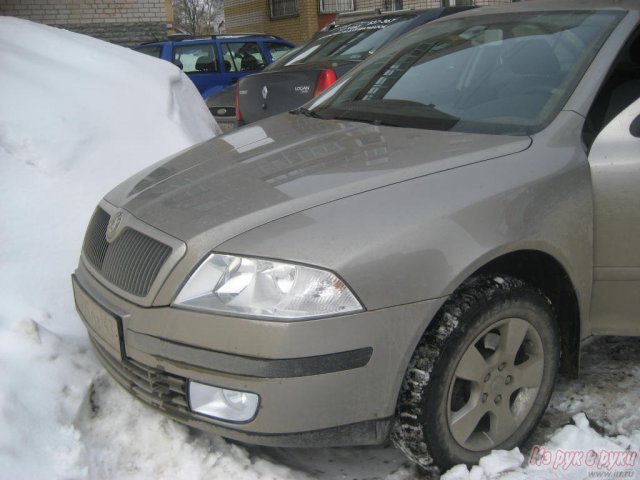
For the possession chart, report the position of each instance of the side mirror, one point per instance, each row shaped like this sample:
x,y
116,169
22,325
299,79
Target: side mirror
x,y
634,128
622,131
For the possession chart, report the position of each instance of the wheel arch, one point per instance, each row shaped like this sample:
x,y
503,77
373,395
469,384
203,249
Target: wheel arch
x,y
547,274
483,305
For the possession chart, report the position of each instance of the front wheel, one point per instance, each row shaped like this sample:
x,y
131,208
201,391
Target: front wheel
x,y
482,375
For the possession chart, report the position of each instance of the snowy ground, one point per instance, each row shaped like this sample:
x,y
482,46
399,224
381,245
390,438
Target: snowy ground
x,y
76,117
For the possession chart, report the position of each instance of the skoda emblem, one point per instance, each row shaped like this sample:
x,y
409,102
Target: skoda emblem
x,y
114,226
265,92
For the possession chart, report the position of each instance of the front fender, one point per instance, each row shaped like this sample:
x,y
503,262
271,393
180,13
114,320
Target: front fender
x,y
421,238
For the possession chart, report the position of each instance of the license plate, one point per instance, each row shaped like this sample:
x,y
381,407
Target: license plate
x,y
103,323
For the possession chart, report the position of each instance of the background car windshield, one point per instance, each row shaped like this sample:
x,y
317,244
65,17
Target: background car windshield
x,y
504,74
354,41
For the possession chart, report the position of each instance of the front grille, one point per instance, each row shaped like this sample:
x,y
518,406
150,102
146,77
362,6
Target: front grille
x,y
160,389
95,240
131,262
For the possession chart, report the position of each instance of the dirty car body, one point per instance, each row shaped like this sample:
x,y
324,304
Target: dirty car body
x,y
303,280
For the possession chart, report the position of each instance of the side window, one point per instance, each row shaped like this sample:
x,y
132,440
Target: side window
x,y
195,58
242,57
277,50
620,90
153,50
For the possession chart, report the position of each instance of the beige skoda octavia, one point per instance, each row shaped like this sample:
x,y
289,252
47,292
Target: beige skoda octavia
x,y
414,254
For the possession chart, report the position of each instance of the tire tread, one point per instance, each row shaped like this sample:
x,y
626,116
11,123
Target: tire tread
x,y
408,430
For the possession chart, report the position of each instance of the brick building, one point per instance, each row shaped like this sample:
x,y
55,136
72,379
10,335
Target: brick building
x,y
298,20
125,22
293,22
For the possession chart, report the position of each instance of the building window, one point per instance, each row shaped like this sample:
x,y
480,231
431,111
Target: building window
x,y
336,6
399,4
283,8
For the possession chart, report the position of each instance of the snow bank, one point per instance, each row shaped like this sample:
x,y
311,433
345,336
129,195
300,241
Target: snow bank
x,y
77,116
576,451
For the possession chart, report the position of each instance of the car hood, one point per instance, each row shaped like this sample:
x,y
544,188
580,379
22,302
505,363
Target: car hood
x,y
286,164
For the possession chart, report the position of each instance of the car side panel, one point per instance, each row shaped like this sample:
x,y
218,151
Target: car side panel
x,y
615,167
427,235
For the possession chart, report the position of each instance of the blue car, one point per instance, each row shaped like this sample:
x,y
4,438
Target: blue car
x,y
215,62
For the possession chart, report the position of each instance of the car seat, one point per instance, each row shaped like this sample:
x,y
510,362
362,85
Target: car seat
x,y
205,64
249,63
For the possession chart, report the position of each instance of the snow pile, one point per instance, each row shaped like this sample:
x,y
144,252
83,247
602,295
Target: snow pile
x,y
575,451
130,106
491,466
126,440
77,116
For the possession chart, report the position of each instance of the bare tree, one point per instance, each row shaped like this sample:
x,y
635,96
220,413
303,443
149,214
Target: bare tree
x,y
199,17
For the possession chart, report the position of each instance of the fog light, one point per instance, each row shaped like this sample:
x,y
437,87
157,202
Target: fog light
x,y
221,403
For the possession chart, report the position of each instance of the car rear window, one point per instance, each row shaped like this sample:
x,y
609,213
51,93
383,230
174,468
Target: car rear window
x,y
354,41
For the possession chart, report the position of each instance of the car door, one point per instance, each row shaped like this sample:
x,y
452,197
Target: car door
x,y
615,167
199,61
241,58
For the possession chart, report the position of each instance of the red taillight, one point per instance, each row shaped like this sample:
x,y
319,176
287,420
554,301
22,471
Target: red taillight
x,y
326,78
238,114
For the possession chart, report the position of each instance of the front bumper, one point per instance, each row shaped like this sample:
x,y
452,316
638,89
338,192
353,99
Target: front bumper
x,y
322,382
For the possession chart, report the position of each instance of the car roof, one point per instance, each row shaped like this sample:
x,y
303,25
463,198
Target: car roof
x,y
188,39
353,21
347,17
558,5
371,17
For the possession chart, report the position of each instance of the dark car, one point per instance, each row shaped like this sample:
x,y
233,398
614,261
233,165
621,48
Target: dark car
x,y
215,62
305,73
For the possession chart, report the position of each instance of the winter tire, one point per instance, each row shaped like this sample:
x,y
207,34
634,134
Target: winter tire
x,y
481,376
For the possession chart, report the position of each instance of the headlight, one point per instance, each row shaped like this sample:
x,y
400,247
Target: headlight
x,y
264,288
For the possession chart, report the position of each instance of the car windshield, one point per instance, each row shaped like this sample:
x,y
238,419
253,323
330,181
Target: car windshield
x,y
354,41
498,73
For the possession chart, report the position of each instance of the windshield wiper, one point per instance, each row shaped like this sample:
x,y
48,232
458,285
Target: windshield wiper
x,y
306,112
372,121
